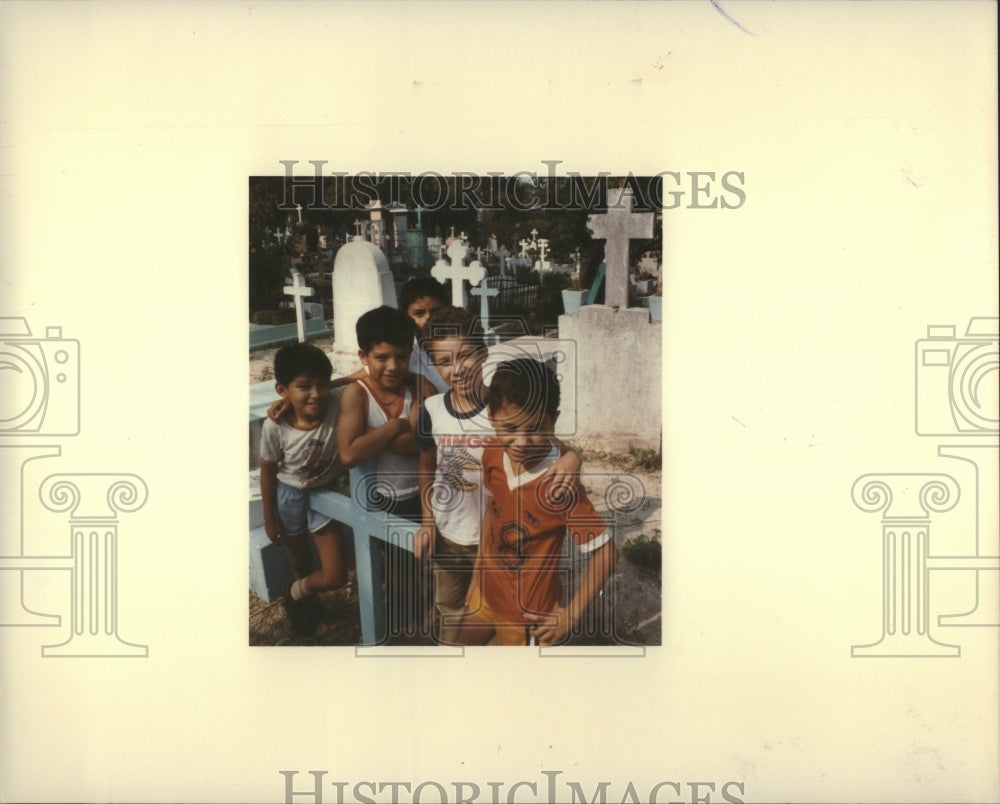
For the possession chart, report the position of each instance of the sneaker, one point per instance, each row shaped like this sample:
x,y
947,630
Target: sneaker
x,y
299,613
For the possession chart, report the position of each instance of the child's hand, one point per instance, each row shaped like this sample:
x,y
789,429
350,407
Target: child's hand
x,y
273,532
563,477
278,409
423,542
551,628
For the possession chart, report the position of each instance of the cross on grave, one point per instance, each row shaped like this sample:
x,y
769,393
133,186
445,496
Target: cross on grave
x,y
358,223
279,236
534,235
299,290
543,245
457,272
298,208
525,245
502,253
484,293
619,225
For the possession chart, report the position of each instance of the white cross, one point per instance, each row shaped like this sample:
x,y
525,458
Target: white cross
x,y
619,225
298,208
457,272
534,235
525,245
357,227
543,244
484,294
299,290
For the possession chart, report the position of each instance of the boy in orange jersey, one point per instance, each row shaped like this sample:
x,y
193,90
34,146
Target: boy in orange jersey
x,y
516,592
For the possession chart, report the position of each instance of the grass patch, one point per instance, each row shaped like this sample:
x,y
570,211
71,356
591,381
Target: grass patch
x,y
645,552
634,459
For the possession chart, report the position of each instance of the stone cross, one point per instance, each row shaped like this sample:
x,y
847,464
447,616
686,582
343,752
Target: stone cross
x,y
618,226
358,223
525,245
502,253
484,293
298,208
299,290
543,245
457,272
534,235
279,236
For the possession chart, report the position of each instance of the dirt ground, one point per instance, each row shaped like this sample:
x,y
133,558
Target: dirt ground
x,y
625,486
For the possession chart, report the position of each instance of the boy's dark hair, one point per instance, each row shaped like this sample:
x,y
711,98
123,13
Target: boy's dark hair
x,y
527,383
450,322
384,325
300,358
417,288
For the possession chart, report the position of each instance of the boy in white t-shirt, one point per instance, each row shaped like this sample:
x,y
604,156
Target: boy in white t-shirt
x,y
298,454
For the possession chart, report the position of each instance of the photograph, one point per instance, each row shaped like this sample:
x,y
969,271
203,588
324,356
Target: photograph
x,y
655,341
485,270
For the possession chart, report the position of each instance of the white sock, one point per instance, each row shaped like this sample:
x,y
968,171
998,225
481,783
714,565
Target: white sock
x,y
299,590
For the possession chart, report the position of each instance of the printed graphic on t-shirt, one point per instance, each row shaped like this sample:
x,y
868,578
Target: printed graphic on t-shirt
x,y
454,462
314,465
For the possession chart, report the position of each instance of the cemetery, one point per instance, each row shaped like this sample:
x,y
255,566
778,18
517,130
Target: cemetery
x,y
582,289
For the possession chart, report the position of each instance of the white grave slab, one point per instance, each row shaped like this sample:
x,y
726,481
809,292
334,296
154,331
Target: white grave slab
x,y
362,281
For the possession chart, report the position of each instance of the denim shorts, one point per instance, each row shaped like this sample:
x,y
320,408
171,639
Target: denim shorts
x,y
294,511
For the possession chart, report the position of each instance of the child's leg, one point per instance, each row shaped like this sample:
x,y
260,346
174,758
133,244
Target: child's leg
x,y
332,572
452,575
299,553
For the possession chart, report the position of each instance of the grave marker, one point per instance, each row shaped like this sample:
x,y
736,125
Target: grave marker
x,y
502,253
484,293
299,290
618,226
457,272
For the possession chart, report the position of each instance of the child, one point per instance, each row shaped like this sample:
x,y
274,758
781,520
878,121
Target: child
x,y
452,431
377,418
418,299
378,411
516,591
298,454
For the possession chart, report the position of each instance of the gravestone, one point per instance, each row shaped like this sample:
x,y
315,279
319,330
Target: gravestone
x,y
484,293
362,281
541,265
502,254
298,290
618,346
458,272
617,227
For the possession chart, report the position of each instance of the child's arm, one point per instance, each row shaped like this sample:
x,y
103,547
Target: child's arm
x,y
356,443
552,628
269,498
423,539
565,472
406,443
